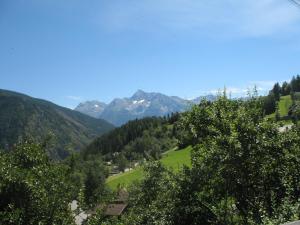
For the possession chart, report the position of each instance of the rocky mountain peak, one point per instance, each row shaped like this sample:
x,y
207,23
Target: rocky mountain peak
x,y
141,104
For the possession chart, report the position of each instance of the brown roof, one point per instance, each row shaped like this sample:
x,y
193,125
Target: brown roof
x,y
94,210
115,209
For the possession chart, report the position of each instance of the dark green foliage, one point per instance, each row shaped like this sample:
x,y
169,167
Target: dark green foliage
x,y
119,137
150,145
184,138
286,88
294,111
144,138
270,101
276,91
244,171
89,177
242,159
93,186
23,117
296,96
295,84
269,104
173,118
121,162
32,189
134,141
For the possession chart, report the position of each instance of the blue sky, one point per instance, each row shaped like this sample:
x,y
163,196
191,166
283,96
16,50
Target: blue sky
x,y
68,51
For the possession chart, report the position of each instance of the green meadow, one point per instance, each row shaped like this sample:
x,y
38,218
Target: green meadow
x,y
173,159
284,105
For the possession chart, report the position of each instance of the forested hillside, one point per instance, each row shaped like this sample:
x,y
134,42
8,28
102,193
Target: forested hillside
x,y
283,101
145,138
23,118
125,147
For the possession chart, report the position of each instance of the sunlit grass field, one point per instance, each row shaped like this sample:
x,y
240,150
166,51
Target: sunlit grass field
x,y
283,108
174,159
284,105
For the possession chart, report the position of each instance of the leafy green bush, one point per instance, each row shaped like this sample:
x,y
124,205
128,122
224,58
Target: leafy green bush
x,y
32,189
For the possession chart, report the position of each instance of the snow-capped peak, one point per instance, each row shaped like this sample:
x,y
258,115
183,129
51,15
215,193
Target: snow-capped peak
x,y
139,102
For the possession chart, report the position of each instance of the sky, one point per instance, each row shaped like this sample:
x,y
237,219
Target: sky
x,y
69,51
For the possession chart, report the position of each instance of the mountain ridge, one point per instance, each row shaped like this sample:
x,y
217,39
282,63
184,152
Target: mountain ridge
x,y
92,108
24,117
141,104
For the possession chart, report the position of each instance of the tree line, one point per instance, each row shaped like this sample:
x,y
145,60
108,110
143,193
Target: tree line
x,y
292,88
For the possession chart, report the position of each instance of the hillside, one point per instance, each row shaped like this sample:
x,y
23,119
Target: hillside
x,y
23,117
282,102
174,159
124,147
138,139
284,105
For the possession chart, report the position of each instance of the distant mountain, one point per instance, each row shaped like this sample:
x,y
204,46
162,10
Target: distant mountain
x,y
91,108
141,104
23,117
207,97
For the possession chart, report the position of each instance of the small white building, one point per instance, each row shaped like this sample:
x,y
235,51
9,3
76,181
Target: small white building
x,y
79,215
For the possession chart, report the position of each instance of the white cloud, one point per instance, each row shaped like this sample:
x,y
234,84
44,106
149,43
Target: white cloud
x,y
263,87
248,18
229,90
70,107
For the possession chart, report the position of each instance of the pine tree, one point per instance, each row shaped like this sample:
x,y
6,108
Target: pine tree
x,y
277,91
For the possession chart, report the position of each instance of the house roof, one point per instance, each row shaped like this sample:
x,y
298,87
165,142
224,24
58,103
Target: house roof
x,y
115,209
94,210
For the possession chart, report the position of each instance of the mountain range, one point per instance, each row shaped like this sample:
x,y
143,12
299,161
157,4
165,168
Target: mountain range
x,y
23,117
141,104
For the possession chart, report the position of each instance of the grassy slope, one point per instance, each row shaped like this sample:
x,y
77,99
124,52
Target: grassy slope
x,y
175,159
172,159
283,106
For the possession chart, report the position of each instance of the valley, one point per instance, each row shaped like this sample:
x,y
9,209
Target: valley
x,y
149,112
214,152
